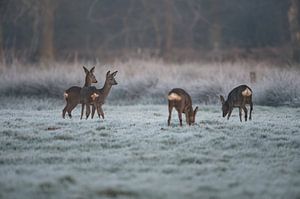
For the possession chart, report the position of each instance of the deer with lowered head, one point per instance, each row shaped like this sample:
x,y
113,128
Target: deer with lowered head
x,y
182,102
96,97
72,95
238,97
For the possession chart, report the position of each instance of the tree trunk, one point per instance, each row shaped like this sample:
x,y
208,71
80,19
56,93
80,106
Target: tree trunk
x,y
1,33
47,49
215,29
155,21
168,43
293,15
1,45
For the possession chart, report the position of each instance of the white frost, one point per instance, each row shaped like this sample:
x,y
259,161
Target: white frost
x,y
134,154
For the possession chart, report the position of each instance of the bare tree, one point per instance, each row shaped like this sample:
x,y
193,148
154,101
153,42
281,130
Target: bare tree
x,y
167,49
154,13
47,47
215,30
293,16
1,31
1,44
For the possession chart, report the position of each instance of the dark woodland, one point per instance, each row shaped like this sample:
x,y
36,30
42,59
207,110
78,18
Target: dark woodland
x,y
176,30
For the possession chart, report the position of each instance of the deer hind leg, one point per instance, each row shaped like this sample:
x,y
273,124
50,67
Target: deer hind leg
x,y
64,111
180,117
251,109
240,113
170,112
246,113
70,108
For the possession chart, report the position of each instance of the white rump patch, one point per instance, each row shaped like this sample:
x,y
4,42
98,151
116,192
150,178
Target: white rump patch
x,y
246,92
66,95
94,96
174,96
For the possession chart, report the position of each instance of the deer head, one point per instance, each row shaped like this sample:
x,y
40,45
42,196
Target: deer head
x,y
110,78
90,77
225,106
191,116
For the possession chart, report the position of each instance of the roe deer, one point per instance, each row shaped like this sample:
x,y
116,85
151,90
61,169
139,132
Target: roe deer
x,y
182,102
96,97
238,97
72,95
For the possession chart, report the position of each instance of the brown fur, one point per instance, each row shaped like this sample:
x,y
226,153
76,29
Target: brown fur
x,y
239,97
72,95
182,102
98,101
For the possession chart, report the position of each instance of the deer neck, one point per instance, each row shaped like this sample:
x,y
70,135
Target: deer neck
x,y
106,89
87,82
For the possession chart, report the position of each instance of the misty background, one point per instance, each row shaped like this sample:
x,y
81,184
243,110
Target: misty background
x,y
205,46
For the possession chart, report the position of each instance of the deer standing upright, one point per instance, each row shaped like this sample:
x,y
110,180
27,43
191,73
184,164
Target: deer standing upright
x,y
72,95
238,97
182,102
96,97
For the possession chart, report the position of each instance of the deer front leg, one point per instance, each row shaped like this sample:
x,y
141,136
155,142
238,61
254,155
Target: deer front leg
x,y
88,110
187,117
101,112
246,113
229,113
93,110
170,113
82,109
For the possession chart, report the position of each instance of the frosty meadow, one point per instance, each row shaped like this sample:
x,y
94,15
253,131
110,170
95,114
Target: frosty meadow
x,y
133,153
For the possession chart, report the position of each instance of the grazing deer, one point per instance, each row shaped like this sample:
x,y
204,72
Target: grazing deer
x,y
96,97
72,95
182,102
238,97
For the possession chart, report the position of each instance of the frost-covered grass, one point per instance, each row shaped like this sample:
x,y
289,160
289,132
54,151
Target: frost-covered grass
x,y
148,82
134,154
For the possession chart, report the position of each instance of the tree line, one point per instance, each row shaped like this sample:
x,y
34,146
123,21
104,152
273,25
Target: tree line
x,y
49,30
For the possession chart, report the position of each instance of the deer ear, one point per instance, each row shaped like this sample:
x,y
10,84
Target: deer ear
x,y
196,109
108,72
92,69
85,69
222,99
114,73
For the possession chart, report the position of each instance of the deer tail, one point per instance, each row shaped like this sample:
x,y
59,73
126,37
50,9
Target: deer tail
x,y
247,92
66,95
174,96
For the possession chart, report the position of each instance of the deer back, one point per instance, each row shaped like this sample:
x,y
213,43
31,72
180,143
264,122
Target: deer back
x,y
239,95
181,99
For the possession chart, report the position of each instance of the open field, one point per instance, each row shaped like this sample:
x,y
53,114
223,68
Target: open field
x,y
133,154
